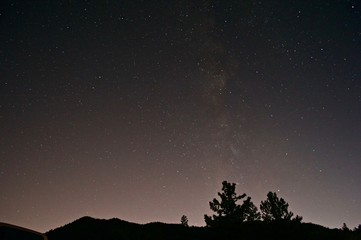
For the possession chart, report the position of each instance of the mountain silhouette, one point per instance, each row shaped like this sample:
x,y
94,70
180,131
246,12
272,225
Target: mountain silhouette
x,y
88,228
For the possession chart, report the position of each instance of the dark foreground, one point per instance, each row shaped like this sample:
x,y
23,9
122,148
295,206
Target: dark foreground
x,y
115,229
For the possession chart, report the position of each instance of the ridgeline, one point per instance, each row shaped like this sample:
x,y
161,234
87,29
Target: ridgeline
x,y
88,228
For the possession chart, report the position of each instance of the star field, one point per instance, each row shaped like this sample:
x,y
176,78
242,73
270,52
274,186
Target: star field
x,y
140,109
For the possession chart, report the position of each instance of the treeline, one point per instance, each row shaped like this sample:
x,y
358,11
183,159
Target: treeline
x,y
234,217
228,212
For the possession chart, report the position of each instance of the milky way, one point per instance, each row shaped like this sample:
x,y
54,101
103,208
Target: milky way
x,y
140,109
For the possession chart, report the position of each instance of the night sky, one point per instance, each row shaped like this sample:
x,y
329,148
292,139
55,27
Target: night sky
x,y
140,109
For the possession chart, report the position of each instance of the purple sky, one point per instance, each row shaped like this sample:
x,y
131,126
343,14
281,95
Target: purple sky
x,y
140,109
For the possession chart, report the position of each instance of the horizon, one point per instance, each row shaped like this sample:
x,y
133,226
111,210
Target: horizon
x,y
107,219
156,221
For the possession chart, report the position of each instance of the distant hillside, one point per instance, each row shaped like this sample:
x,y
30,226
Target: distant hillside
x,y
88,228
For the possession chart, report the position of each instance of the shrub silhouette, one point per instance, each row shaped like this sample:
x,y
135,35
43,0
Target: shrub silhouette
x,y
184,221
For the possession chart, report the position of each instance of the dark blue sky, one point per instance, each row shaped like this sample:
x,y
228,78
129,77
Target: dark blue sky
x,y
140,109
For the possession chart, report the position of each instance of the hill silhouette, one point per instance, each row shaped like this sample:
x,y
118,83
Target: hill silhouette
x,y
115,229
